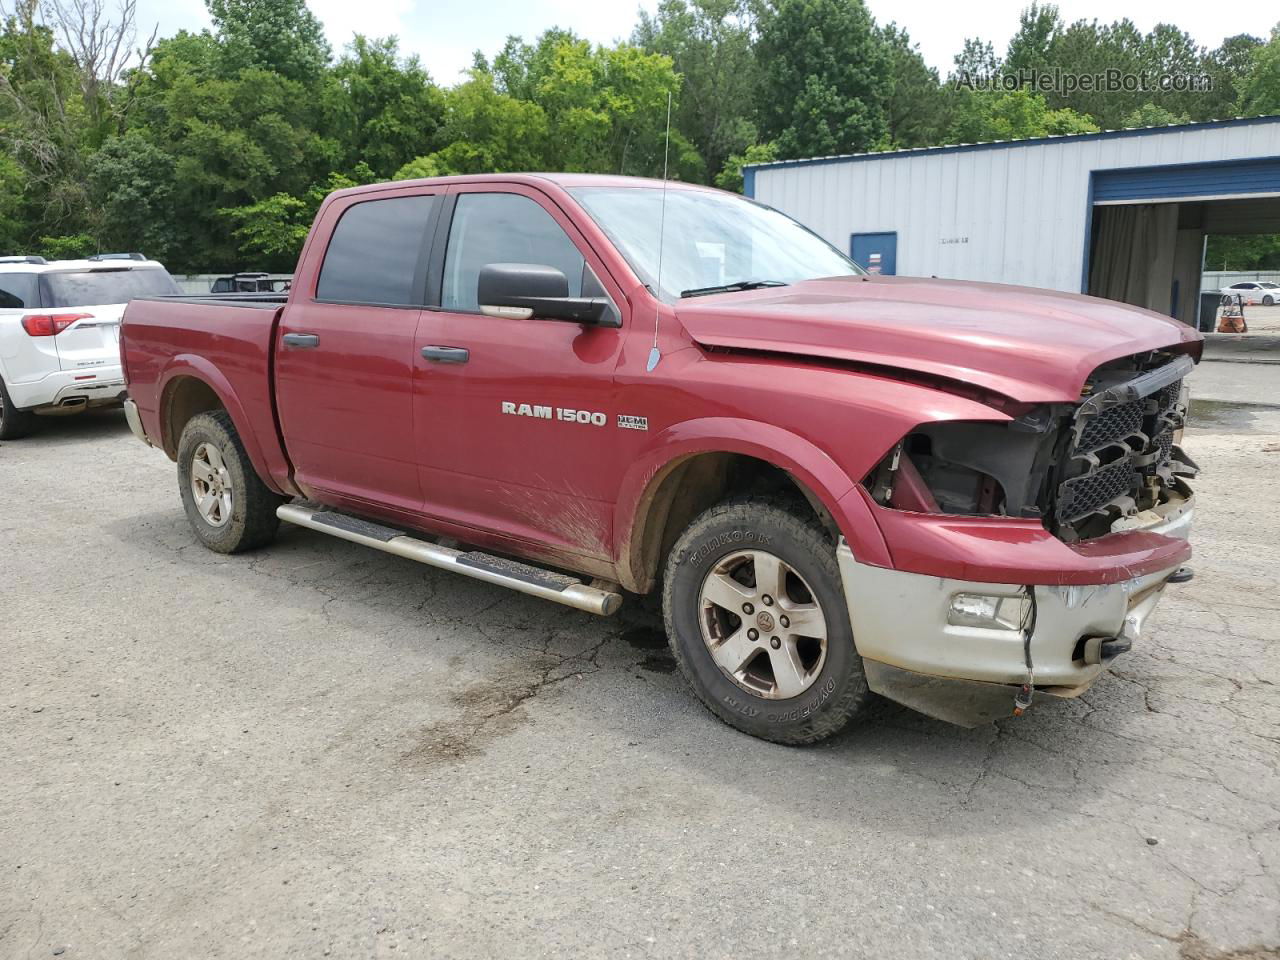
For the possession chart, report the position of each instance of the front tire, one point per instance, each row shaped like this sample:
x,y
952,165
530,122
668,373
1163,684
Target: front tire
x,y
1268,301
227,504
14,423
756,617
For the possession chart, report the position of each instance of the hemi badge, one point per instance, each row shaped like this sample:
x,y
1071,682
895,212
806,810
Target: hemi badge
x,y
626,422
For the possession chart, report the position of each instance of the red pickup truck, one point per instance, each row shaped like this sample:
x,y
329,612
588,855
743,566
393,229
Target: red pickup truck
x,y
952,494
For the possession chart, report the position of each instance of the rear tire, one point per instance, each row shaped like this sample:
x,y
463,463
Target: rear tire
x,y
756,616
229,507
14,423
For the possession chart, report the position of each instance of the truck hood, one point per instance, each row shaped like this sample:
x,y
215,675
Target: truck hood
x,y
1032,346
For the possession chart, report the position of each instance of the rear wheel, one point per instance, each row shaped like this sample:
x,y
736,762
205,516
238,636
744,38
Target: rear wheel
x,y
14,423
757,620
227,504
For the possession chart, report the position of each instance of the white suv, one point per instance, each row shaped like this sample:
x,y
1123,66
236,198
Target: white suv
x,y
60,332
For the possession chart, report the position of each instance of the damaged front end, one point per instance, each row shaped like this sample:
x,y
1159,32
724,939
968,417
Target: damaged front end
x,y
1028,553
1108,464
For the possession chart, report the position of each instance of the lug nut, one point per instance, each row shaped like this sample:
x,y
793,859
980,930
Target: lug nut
x,y
775,642
784,621
753,634
768,600
748,608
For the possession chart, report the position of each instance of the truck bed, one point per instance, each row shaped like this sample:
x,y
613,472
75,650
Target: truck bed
x,y
225,341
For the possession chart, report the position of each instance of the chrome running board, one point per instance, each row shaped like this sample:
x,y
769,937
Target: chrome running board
x,y
479,566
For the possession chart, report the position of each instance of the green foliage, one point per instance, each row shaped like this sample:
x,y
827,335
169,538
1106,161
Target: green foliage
x,y
710,46
822,64
1149,115
1260,252
1260,88
730,178
915,107
278,35
215,152
70,247
984,115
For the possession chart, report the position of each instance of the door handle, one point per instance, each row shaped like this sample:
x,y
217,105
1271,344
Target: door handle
x,y
304,340
447,354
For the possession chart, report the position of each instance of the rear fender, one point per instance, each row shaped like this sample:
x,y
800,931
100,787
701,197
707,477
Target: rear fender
x,y
811,468
199,368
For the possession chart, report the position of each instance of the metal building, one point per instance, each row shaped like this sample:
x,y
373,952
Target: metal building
x,y
1122,214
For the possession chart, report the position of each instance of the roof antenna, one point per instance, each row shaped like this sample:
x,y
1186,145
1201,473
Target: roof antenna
x,y
654,353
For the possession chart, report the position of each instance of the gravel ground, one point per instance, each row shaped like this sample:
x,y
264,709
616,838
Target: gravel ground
x,y
318,750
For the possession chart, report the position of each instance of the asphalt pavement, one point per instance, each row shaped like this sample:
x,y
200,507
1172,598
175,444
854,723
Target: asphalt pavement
x,y
318,750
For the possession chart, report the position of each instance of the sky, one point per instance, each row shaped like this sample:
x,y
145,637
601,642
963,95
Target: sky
x,y
445,32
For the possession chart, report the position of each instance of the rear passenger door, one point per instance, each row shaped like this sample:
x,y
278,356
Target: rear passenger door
x,y
515,419
345,353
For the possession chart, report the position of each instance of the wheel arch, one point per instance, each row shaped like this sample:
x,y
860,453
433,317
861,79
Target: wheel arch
x,y
687,471
191,386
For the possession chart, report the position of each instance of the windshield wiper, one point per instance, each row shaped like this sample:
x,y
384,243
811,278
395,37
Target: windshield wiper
x,y
731,287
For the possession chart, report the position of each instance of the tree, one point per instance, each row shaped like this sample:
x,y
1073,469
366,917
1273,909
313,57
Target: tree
x,y
1032,44
1226,66
1149,115
384,110
282,36
985,115
710,46
101,42
131,184
1260,88
915,107
731,178
822,64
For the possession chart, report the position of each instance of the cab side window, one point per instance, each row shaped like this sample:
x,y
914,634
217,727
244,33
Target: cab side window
x,y
374,251
503,228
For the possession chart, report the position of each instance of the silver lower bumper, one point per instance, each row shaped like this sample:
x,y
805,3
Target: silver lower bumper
x,y
135,422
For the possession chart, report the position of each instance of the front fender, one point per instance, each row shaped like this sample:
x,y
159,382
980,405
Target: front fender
x,y
807,464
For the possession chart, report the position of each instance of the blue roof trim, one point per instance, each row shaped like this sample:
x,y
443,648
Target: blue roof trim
x,y
1007,144
1173,181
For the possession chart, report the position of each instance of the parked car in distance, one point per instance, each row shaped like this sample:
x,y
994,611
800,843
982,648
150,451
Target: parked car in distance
x,y
60,332
953,494
1254,293
249,283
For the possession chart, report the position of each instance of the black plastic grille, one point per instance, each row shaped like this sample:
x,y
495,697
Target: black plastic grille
x,y
1111,426
1089,492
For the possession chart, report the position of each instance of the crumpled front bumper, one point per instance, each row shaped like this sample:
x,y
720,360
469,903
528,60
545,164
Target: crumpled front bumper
x,y
912,654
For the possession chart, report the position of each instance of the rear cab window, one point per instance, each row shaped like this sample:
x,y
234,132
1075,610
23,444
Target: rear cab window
x,y
84,288
375,253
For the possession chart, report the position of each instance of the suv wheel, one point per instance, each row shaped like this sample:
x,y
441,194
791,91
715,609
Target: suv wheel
x,y
756,617
229,507
14,423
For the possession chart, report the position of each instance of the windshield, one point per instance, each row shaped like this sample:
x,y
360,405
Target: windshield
x,y
84,288
712,240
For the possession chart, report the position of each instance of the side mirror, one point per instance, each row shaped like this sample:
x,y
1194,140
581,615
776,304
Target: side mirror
x,y
520,291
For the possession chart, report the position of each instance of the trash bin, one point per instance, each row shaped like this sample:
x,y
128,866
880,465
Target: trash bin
x,y
1208,310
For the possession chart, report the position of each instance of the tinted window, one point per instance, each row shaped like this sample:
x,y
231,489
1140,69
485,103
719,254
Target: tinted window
x,y
84,288
373,254
503,228
18,290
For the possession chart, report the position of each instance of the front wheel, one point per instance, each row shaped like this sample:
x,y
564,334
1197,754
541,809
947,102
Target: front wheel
x,y
1268,301
757,620
227,504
